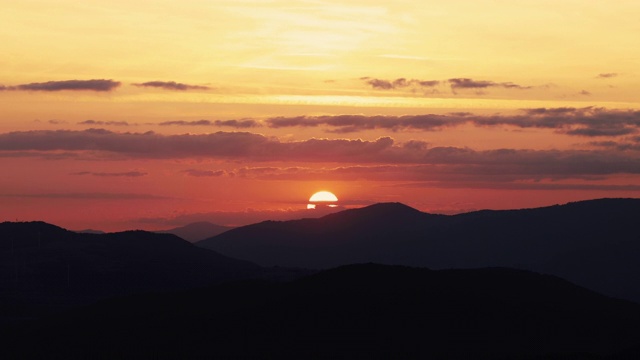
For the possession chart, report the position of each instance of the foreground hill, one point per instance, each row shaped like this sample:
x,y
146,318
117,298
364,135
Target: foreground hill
x,y
358,311
197,231
593,243
43,266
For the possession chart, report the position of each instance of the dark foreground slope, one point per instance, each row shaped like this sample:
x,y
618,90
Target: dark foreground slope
x,y
358,311
43,266
594,243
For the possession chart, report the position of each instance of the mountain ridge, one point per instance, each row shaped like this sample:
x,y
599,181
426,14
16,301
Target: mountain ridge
x,y
45,267
395,234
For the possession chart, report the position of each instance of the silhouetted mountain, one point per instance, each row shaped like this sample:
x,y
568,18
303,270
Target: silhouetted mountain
x,y
347,237
43,266
567,240
90,231
358,311
197,231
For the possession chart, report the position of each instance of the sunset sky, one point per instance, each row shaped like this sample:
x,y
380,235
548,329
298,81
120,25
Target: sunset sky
x,y
152,114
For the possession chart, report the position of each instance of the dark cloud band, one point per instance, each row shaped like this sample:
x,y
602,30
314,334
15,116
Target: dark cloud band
x,y
204,173
607,75
467,83
398,83
112,174
171,85
238,124
77,85
456,162
455,84
589,121
103,123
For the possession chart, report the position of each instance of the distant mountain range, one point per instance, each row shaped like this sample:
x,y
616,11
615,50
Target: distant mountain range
x,y
43,266
593,243
197,231
353,312
193,232
144,295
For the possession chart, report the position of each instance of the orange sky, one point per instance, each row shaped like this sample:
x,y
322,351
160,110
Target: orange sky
x,y
127,114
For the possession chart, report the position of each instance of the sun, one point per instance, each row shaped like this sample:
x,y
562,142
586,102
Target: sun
x,y
324,198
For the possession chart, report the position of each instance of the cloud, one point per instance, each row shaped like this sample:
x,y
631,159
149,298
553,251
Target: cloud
x,y
585,93
56,122
607,75
353,123
467,83
552,111
78,85
343,173
88,196
426,83
102,123
528,186
379,84
604,143
589,121
143,145
187,123
228,145
48,155
631,144
204,173
532,164
527,169
240,218
446,164
238,124
578,122
171,85
382,84
112,174
586,122
605,131
271,172
380,159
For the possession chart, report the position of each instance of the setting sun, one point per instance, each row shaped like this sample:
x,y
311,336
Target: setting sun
x,y
322,197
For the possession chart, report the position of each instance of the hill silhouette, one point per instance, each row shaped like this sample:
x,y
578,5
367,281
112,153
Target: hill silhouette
x,y
90,231
357,311
196,231
593,243
43,266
